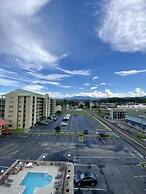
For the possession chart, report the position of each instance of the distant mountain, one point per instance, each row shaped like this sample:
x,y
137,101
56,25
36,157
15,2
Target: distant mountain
x,y
79,98
113,99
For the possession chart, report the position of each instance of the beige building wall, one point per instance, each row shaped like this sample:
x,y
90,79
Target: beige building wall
x,y
23,108
11,109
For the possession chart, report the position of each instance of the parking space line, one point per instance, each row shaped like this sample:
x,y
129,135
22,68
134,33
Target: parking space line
x,y
66,139
37,136
89,189
110,141
60,137
73,139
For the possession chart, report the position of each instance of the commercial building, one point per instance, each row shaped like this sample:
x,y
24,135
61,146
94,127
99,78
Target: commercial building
x,y
23,108
117,113
136,118
2,107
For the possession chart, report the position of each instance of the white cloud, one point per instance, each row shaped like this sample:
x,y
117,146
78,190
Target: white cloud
x,y
34,88
131,72
55,76
96,77
9,77
93,88
123,25
86,84
17,19
137,92
8,82
107,94
75,72
102,84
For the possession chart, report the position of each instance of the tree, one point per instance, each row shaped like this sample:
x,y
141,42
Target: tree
x,y
58,112
102,135
57,129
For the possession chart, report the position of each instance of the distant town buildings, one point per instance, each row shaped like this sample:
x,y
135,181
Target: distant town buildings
x,y
136,118
23,108
117,113
58,108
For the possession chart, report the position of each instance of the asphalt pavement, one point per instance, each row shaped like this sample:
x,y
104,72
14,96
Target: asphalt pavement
x,y
113,160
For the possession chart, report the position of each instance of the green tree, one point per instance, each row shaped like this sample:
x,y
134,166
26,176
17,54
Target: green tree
x,y
57,129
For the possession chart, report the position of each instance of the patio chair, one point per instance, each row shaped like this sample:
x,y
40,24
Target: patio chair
x,y
7,184
9,180
58,176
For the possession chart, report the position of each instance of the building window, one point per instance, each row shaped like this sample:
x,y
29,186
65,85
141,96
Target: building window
x,y
10,125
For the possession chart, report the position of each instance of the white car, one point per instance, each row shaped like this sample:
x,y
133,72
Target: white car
x,y
64,124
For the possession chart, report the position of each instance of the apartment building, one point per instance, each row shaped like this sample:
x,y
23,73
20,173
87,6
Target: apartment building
x,y
24,108
117,113
2,107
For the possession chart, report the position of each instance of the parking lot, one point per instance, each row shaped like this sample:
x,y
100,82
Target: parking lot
x,y
114,161
77,123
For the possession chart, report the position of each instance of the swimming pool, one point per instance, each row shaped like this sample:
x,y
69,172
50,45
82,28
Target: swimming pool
x,y
33,180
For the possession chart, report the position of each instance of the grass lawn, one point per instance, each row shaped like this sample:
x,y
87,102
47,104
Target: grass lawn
x,y
19,131
143,165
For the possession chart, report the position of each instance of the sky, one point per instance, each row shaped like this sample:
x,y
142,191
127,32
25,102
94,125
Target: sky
x,y
69,48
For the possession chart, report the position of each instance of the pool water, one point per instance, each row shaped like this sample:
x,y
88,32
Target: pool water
x,y
33,180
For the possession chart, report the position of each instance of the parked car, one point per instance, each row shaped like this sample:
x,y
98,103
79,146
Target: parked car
x,y
43,123
55,118
86,132
64,124
86,178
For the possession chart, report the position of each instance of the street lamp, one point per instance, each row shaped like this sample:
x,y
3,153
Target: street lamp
x,y
2,171
141,116
68,177
44,158
69,155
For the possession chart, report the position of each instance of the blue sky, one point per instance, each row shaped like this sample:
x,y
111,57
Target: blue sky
x,y
65,48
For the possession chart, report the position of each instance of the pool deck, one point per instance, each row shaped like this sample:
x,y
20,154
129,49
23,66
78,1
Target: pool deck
x,y
60,172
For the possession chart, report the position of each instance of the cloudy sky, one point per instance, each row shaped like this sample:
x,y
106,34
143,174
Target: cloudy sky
x,y
68,47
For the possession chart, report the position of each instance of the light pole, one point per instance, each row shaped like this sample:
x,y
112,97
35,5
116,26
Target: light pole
x,y
141,116
68,177
2,171
69,155
43,158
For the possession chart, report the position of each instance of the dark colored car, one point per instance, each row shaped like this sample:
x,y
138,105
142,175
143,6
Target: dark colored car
x,y
85,131
43,123
86,178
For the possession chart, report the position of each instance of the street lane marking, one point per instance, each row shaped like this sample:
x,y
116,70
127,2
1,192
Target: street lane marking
x,y
138,153
90,189
103,157
75,164
141,176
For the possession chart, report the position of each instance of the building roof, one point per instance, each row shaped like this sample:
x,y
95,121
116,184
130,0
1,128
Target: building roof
x,y
136,112
3,122
21,92
118,110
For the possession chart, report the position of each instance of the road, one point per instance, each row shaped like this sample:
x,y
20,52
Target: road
x,y
138,144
